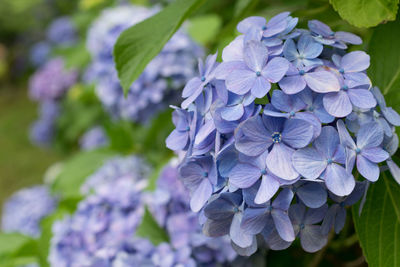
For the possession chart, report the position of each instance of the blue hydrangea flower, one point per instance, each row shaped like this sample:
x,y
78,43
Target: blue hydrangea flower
x,y
23,211
93,138
273,135
366,151
62,31
39,53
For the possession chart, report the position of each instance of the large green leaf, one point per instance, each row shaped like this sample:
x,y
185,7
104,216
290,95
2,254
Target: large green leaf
x,y
139,44
150,229
378,227
17,250
77,169
385,57
366,13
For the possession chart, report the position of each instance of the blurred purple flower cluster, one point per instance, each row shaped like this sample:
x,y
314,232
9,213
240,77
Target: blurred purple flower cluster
x,y
278,127
93,138
23,211
102,230
47,86
156,87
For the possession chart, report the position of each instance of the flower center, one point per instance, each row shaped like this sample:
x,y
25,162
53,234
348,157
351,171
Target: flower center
x,y
345,88
332,34
203,78
358,150
263,172
311,108
301,226
276,137
258,73
205,174
292,113
341,71
264,27
302,72
329,161
187,128
341,204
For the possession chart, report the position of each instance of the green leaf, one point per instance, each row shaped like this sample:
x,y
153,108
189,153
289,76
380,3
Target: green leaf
x,y
75,57
378,227
203,29
150,229
13,243
77,169
139,44
385,57
366,13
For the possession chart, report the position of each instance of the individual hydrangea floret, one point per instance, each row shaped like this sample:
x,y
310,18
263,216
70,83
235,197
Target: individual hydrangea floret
x,y
102,232
93,138
157,85
24,210
273,138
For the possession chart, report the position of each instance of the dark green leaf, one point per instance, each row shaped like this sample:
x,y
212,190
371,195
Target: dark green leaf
x,y
378,227
366,13
77,169
138,45
150,229
385,57
13,243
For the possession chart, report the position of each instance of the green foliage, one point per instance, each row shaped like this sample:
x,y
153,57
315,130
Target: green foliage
x,y
139,44
75,57
368,13
204,29
77,169
16,249
378,227
150,229
385,58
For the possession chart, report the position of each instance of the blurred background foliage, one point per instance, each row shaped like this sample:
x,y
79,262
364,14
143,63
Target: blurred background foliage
x,y
23,23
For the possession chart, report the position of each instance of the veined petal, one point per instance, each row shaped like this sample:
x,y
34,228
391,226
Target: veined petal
x,y
251,22
232,113
177,140
355,61
254,220
275,69
322,81
240,81
308,47
244,175
237,234
255,55
297,133
312,194
309,162
369,135
201,195
292,84
234,51
327,142
338,180
368,169
361,98
337,104
279,162
191,87
375,154
283,225
311,238
344,135
268,188
260,87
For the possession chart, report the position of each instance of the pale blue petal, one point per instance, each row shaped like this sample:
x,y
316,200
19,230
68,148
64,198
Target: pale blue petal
x,y
367,168
309,162
338,180
279,162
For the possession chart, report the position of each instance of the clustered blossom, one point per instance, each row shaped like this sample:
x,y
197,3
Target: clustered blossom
x,y
62,31
102,230
23,211
94,138
276,129
157,85
47,86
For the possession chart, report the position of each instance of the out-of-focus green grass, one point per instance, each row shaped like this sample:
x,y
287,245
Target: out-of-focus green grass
x,y
21,163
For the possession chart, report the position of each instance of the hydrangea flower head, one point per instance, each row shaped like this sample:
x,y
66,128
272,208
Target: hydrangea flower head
x,y
156,86
62,31
275,130
102,231
93,138
23,211
51,81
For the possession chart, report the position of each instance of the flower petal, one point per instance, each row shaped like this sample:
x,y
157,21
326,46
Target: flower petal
x,y
237,234
260,87
232,113
254,220
375,154
355,61
308,48
255,55
312,194
201,195
369,135
240,81
309,162
244,175
297,133
322,81
337,104
338,180
275,69
367,168
292,84
327,142
283,225
268,188
311,238
279,162
362,98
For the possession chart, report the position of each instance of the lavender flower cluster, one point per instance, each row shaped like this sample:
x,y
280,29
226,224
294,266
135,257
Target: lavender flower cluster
x,y
102,230
23,211
93,138
148,95
276,129
47,86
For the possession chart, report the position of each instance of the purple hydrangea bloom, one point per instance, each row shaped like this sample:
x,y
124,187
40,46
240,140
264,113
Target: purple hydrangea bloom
x,y
62,31
93,138
39,53
51,81
258,140
157,85
24,210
